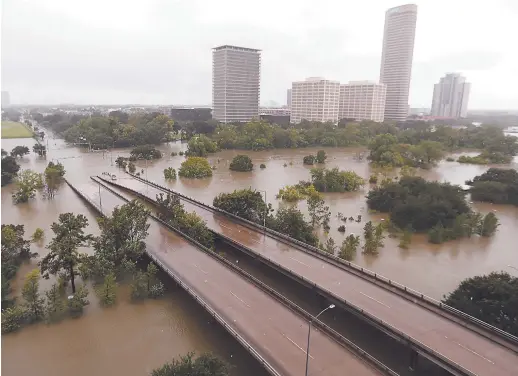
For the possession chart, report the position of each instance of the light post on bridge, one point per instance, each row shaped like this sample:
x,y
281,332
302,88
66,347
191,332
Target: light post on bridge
x,y
309,333
265,210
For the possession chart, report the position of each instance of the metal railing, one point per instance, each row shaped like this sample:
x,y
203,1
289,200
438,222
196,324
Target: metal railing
x,y
264,287
402,290
193,293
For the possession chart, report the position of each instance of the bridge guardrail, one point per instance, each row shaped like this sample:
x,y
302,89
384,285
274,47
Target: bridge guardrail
x,y
386,282
419,346
193,293
272,292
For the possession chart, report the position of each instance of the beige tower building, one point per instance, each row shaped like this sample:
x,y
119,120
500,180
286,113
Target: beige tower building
x,y
236,75
362,100
396,59
315,99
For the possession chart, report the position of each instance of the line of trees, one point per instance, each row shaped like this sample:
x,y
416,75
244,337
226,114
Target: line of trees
x,y
115,130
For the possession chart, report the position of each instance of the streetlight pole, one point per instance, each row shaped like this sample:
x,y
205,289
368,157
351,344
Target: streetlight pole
x,y
265,210
100,201
309,334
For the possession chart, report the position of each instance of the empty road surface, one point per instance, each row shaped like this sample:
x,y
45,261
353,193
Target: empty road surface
x,y
453,341
273,330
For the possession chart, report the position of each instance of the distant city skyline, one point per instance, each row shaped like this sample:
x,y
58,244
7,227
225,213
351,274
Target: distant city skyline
x,y
98,57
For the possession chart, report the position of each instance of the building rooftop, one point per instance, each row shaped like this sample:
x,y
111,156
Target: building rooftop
x,y
229,47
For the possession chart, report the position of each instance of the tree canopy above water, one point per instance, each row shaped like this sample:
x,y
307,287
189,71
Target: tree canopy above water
x,y
492,298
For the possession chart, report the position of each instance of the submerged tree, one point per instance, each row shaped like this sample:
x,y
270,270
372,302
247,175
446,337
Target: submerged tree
x,y
107,291
64,255
492,298
55,306
34,303
349,246
27,183
205,365
123,233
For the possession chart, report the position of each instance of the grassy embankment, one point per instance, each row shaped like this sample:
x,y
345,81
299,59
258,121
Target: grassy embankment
x,y
12,129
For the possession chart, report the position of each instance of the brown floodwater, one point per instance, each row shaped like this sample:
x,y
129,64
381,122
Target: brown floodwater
x,y
128,339
132,339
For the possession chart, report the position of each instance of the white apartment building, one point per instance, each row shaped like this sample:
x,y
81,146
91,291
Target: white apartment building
x,y
236,74
362,100
315,99
450,97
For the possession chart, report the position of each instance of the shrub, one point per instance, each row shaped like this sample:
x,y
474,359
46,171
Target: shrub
x,y
174,154
38,235
262,166
241,163
373,179
333,180
132,168
321,156
12,319
309,160
170,173
195,167
180,153
450,159
341,228
78,302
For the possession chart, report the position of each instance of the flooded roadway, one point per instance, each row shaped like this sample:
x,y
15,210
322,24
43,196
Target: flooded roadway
x,y
446,265
275,331
453,341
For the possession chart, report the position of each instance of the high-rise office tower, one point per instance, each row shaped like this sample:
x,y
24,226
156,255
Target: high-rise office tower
x,y
236,75
396,59
362,100
450,96
288,98
315,99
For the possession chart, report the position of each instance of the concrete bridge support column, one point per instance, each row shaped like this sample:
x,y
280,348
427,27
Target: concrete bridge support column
x,y
413,360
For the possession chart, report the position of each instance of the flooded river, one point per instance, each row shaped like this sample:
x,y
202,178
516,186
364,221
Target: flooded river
x,y
131,339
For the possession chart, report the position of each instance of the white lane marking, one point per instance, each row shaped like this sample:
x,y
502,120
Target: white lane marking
x,y
241,300
300,262
225,226
203,271
377,301
474,352
300,348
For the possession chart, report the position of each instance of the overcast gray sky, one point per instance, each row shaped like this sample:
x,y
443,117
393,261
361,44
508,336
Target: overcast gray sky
x,y
159,51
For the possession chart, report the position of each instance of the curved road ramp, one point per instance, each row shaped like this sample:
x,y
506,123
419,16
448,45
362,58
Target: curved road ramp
x,y
455,341
273,329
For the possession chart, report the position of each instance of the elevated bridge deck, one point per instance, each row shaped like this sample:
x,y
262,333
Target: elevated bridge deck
x,y
460,347
272,331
